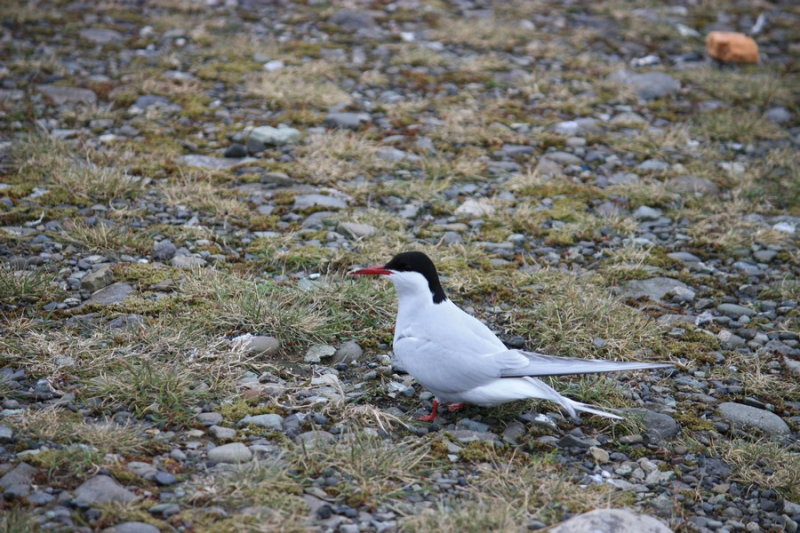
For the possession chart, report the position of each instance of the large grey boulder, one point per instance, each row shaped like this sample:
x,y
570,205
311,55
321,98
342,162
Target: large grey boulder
x,y
745,417
611,521
647,86
103,489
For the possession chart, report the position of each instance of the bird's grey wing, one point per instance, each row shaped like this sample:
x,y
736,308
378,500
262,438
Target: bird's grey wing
x,y
517,363
439,367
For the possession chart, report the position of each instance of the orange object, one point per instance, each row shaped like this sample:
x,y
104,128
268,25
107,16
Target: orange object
x,y
732,47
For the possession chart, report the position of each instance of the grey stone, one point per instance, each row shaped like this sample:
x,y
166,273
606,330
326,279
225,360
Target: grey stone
x,y
778,115
660,427
142,469
147,101
648,86
67,95
103,489
746,417
97,279
653,165
132,527
351,121
578,127
164,250
729,340
611,521
311,439
692,185
188,262
765,256
356,231
735,310
263,345
113,294
317,352
623,178
210,419
392,155
126,322
6,434
348,352
647,213
353,20
549,169
475,208
563,158
465,436
654,288
598,454
466,423
101,35
304,201
684,257
213,163
16,492
269,421
235,151
277,179
571,441
628,118
40,498
748,268
22,474
165,479
270,136
235,452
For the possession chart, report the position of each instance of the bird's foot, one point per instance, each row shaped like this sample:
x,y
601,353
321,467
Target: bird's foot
x,y
432,416
453,407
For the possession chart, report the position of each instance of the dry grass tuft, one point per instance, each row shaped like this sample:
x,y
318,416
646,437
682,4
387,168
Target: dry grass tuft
x,y
483,33
22,285
64,427
104,237
338,155
196,190
312,84
768,464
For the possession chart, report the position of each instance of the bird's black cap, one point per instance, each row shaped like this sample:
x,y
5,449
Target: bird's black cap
x,y
419,262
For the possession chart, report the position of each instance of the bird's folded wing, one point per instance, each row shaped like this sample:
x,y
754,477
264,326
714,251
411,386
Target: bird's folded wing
x,y
442,368
516,363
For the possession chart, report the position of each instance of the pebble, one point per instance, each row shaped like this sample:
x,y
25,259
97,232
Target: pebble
x,y
132,527
745,417
611,520
349,352
648,86
318,352
269,421
103,489
269,136
235,452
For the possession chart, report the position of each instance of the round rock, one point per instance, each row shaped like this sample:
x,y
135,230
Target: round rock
x,y
611,521
132,527
348,352
746,417
235,452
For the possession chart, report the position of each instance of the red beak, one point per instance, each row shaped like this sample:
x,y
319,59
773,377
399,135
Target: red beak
x,y
372,271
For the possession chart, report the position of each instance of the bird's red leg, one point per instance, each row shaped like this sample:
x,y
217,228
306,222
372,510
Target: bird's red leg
x,y
432,416
453,407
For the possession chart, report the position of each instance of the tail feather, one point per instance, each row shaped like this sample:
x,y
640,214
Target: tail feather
x,y
546,392
589,409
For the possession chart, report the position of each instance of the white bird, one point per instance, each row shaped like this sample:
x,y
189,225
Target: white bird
x,y
457,358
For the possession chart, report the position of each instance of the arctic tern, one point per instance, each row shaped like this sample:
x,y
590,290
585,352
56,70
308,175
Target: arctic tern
x,y
458,359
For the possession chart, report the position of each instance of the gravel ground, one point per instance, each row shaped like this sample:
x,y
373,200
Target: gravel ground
x,y
184,185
